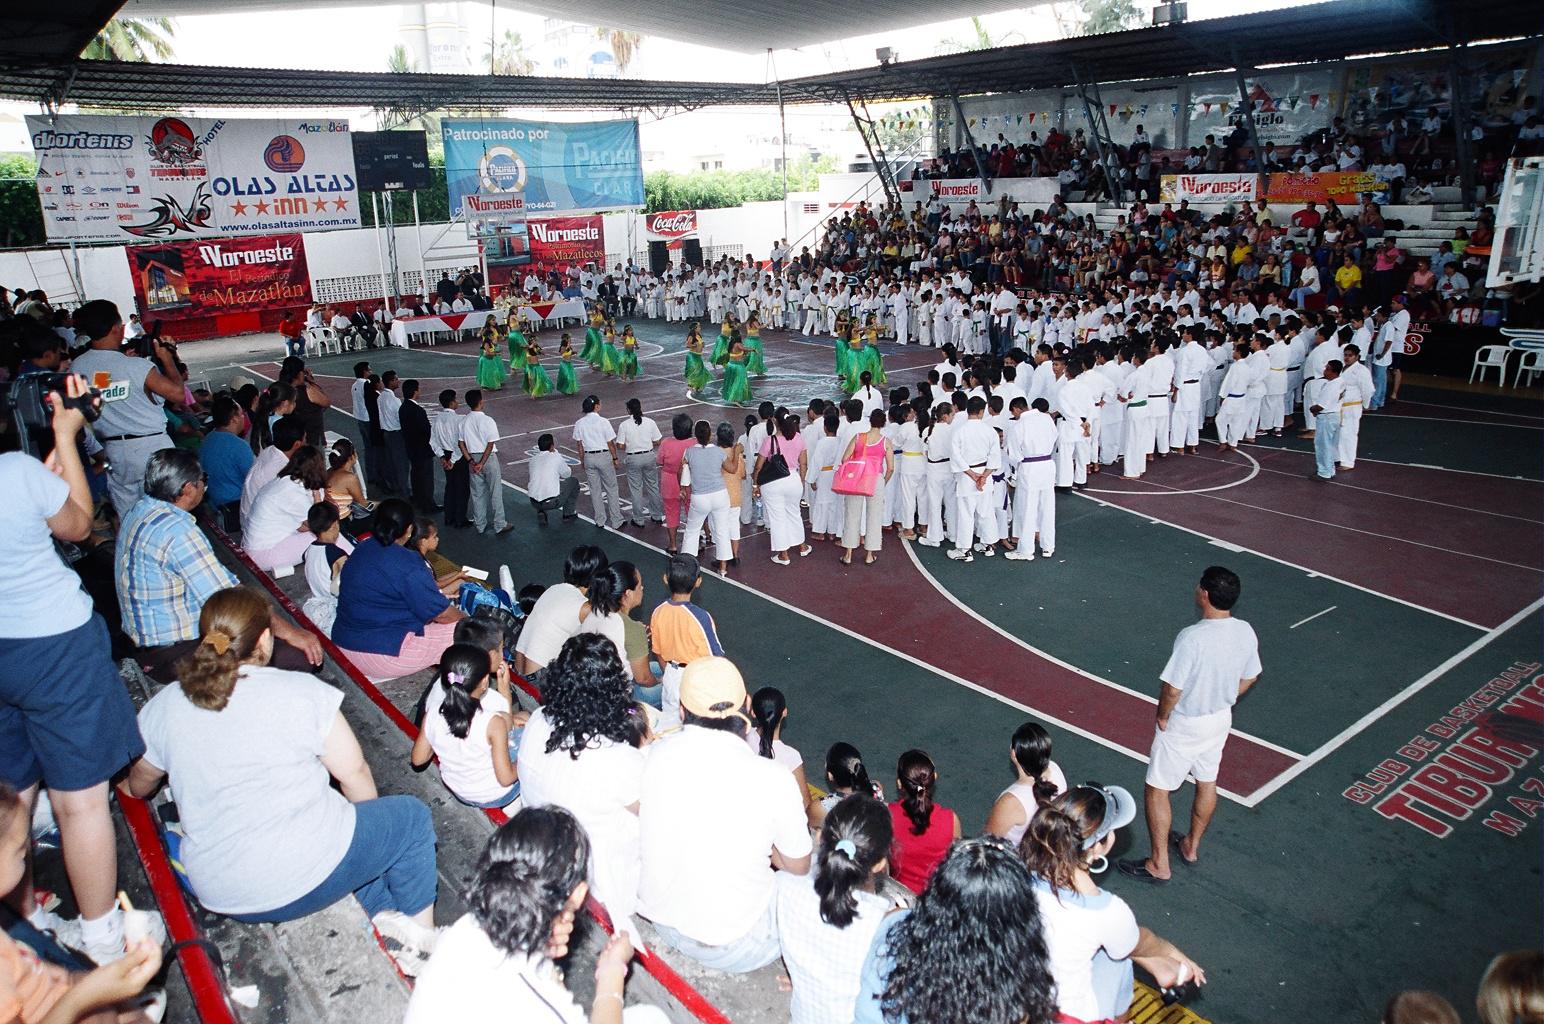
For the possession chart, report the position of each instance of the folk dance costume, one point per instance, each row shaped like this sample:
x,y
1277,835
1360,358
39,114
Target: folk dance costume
x,y
537,383
698,376
517,342
721,346
755,358
1031,443
1357,391
975,456
568,379
737,386
490,368
610,357
628,368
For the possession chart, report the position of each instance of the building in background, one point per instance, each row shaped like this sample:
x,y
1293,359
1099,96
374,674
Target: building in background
x,y
436,38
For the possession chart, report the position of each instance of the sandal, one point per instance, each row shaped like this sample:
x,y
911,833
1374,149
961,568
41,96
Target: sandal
x,y
1137,868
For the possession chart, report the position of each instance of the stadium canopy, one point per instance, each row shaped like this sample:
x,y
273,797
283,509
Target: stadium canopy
x,y
37,62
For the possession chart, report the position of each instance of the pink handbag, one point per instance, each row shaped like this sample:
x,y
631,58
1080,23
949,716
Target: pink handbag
x,y
857,476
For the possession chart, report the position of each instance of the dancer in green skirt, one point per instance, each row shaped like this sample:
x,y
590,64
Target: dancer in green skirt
x,y
755,355
537,383
629,365
698,376
516,339
568,379
490,367
737,384
593,340
610,357
726,332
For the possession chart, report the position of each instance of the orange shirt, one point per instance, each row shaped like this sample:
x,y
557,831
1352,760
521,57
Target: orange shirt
x,y
29,988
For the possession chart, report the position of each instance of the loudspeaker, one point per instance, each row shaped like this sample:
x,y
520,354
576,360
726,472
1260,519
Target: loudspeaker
x,y
691,252
659,258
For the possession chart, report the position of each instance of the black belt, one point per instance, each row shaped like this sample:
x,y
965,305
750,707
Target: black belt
x,y
597,451
646,451
1196,381
937,461
1297,367
130,437
1161,394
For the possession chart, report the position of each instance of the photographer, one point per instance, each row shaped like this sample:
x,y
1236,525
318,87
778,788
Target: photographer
x,y
134,396
66,721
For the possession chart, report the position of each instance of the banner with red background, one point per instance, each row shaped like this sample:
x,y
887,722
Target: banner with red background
x,y
214,277
568,242
1341,186
671,226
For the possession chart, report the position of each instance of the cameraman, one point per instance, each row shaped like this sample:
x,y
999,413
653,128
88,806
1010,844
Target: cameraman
x,y
66,721
134,396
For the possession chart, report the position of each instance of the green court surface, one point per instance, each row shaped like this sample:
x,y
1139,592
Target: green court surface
x,y
1358,869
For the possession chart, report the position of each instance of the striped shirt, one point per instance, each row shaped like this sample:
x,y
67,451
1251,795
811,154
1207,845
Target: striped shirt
x,y
165,570
683,633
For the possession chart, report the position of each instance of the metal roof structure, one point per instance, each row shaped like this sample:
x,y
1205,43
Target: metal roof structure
x,y
32,68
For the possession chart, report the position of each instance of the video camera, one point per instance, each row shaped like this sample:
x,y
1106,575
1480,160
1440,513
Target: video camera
x,y
33,414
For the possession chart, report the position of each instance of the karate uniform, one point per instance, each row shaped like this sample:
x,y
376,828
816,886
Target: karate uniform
x,y
1112,419
1138,440
1075,403
826,508
938,501
1356,392
1259,368
910,475
1233,413
1031,443
974,447
1160,370
1191,362
1273,409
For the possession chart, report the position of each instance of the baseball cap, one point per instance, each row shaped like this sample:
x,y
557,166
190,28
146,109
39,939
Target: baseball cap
x,y
713,688
239,381
1120,810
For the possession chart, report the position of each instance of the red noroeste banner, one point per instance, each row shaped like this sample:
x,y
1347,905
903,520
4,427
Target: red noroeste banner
x,y
671,226
568,241
216,276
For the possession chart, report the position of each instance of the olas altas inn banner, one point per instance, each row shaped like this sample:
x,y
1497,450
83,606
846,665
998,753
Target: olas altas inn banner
x,y
131,179
185,280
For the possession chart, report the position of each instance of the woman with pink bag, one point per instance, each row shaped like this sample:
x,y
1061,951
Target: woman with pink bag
x,y
866,465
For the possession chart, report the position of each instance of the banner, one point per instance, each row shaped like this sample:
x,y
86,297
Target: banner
x,y
180,280
490,214
556,166
560,242
1341,186
1208,188
127,179
958,191
672,227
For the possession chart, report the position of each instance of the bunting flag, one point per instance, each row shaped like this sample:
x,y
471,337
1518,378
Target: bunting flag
x,y
1112,110
1313,101
1207,107
1223,106
1031,117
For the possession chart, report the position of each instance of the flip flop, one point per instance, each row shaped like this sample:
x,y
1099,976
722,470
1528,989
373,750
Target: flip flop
x,y
1174,840
1137,869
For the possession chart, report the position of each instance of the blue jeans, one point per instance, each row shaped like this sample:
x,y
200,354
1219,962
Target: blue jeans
x,y
1380,387
389,864
650,695
752,951
513,792
1326,442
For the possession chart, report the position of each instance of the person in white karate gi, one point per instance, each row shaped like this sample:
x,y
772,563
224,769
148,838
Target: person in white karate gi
x,y
1313,369
1032,438
1191,361
1254,393
1233,413
938,509
911,471
1356,391
1160,380
1112,425
1133,394
1074,420
900,314
975,456
826,509
1273,409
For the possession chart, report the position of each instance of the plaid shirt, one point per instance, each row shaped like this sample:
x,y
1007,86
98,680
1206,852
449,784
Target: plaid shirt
x,y
165,571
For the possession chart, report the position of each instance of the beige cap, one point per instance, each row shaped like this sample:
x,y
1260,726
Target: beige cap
x,y
712,688
238,382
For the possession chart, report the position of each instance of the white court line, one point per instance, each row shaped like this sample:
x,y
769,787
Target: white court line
x,y
994,627
1347,734
1411,465
1172,491
1315,615
1292,565
941,673
1446,419
1468,408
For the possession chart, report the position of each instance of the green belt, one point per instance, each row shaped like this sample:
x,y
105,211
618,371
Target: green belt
x,y
1136,405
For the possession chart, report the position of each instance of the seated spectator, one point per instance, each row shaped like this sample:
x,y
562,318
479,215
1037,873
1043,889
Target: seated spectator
x,y
1348,281
32,990
610,598
323,563
923,829
578,753
497,961
845,775
555,617
227,459
1092,937
1512,990
769,713
276,536
943,959
392,619
288,435
426,541
681,632
1039,781
714,820
1413,1007
470,731
165,570
826,919
265,836
343,486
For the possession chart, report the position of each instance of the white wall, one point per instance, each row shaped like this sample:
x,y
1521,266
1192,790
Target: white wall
x,y
104,274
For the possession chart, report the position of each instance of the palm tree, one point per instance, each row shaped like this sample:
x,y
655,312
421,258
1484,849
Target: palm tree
x,y
624,45
132,39
508,57
399,63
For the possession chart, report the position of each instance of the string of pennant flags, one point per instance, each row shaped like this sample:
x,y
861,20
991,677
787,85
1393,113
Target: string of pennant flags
x,y
912,119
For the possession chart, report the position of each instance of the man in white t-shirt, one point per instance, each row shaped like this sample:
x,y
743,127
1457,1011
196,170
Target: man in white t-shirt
x,y
715,819
480,448
1214,662
552,483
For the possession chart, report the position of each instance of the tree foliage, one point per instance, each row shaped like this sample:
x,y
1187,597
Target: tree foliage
x,y
715,190
508,56
21,216
1100,16
132,39
623,45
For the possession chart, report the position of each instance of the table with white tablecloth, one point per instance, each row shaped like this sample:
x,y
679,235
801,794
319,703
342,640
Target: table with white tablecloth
x,y
544,313
405,328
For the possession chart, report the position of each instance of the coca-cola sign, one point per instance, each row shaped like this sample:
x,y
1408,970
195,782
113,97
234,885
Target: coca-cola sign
x,y
671,225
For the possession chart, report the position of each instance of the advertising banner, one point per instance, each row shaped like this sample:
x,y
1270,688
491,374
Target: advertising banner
x,y
180,280
1341,186
489,214
557,242
128,179
1208,188
672,227
556,166
1287,104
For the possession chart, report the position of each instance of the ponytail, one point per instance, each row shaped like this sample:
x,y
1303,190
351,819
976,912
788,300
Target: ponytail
x,y
768,706
463,668
635,407
1032,753
917,777
845,769
855,837
229,626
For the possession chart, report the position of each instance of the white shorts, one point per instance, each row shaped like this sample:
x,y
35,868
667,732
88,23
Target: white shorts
x,y
1190,746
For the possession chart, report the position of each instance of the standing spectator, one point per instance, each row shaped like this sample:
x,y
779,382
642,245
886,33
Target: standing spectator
x,y
135,391
784,449
66,722
480,447
704,462
416,435
551,482
165,570
226,458
923,829
389,409
712,814
311,402
597,441
445,439
639,437
1213,664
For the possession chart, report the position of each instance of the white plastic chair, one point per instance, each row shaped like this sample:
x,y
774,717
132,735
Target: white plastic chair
x,y
313,341
1487,358
1531,363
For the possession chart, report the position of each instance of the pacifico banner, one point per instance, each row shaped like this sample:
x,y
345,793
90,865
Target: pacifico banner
x,y
558,167
131,179
1208,188
181,280
568,242
672,227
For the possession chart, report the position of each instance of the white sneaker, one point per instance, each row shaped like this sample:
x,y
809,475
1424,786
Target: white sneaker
x,y
961,555
1047,554
988,551
405,932
929,542
66,930
112,950
1020,555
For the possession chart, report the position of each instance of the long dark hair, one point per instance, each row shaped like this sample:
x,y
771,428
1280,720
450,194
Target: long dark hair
x,y
768,705
855,837
681,426
588,694
973,947
524,877
845,769
463,668
274,396
635,408
608,585
1052,846
917,777
1032,751
393,518
307,468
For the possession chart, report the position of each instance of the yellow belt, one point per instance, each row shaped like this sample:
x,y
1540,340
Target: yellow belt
x,y
1278,369
1347,405
913,454
824,468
